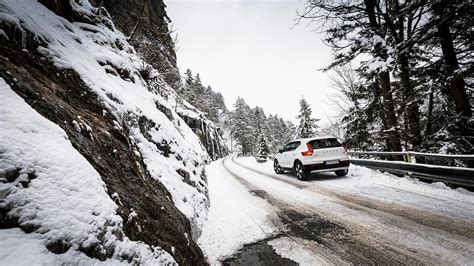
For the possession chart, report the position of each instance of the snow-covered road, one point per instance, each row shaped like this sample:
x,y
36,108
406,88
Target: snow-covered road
x,y
365,218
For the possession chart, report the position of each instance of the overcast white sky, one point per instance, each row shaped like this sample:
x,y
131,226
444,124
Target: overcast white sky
x,y
248,48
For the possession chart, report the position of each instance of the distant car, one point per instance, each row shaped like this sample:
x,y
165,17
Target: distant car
x,y
261,158
320,154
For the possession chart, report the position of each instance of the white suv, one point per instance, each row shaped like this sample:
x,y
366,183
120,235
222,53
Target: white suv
x,y
321,154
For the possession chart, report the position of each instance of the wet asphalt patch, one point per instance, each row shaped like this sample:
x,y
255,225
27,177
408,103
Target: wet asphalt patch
x,y
258,253
259,193
309,227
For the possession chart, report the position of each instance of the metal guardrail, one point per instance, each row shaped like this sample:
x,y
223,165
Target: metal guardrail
x,y
460,176
464,157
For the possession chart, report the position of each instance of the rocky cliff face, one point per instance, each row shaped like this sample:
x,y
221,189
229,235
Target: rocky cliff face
x,y
147,27
209,134
69,63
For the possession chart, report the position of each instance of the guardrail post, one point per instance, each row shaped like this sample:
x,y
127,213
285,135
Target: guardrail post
x,y
407,157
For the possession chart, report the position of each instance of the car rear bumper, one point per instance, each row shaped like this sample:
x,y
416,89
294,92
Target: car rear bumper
x,y
322,167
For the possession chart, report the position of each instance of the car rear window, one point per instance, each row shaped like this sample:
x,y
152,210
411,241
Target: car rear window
x,y
292,146
325,143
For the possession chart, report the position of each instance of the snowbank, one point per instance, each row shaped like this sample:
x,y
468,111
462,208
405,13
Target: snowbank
x,y
406,191
110,67
374,184
56,193
235,216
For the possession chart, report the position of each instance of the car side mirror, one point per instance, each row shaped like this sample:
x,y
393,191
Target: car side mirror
x,y
280,150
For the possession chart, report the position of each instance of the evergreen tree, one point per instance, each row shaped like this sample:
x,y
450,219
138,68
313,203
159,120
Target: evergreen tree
x,y
203,97
359,27
260,127
198,91
188,76
241,126
210,105
188,81
289,130
418,73
280,132
263,147
307,124
197,81
359,107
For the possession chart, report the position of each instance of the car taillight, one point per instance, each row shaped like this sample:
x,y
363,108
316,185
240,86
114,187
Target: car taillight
x,y
345,147
309,152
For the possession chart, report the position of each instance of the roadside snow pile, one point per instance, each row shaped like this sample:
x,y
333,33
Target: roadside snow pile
x,y
235,216
408,191
359,174
57,195
374,184
110,67
360,177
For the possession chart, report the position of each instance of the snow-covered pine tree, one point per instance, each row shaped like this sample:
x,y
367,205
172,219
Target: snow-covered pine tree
x,y
263,149
260,127
198,91
241,126
307,124
354,28
275,133
208,103
280,132
186,90
453,20
202,97
289,130
359,109
188,76
418,70
447,77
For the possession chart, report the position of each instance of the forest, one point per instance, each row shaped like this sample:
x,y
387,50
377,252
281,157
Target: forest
x,y
401,72
249,130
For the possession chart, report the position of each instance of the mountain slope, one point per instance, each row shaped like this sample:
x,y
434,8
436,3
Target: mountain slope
x,y
55,196
146,25
80,73
147,28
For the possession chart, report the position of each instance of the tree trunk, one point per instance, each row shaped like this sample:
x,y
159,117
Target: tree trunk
x,y
379,96
411,106
389,110
384,78
456,85
429,118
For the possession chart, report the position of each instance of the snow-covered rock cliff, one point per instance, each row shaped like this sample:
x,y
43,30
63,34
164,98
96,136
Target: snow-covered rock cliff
x,y
95,160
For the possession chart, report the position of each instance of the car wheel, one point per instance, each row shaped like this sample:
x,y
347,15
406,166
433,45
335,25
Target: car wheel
x,y
299,171
277,167
342,172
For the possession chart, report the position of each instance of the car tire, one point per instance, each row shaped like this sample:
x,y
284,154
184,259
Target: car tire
x,y
342,172
277,167
301,174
